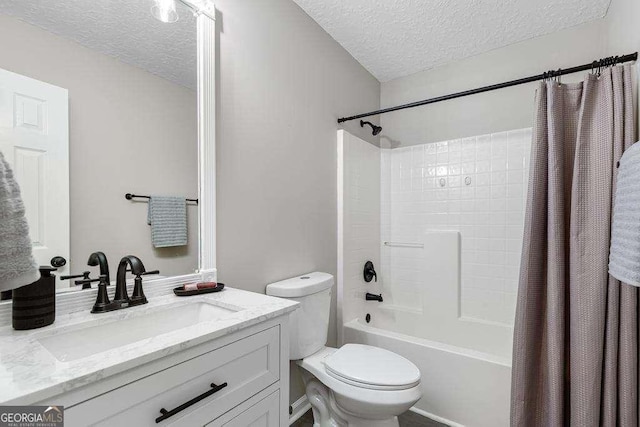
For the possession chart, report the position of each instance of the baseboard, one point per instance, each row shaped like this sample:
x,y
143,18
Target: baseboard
x,y
299,408
302,405
435,417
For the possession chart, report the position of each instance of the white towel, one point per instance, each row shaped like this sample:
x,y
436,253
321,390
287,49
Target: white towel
x,y
624,255
17,265
168,219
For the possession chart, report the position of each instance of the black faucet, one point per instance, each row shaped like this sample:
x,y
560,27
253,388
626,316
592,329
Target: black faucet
x,y
121,298
373,297
99,258
137,268
96,258
85,281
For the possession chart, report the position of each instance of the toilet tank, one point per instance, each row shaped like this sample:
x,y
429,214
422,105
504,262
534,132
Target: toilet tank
x,y
310,322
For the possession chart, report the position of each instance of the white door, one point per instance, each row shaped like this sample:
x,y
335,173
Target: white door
x,y
34,138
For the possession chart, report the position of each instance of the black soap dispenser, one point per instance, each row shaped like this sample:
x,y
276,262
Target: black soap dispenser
x,y
34,305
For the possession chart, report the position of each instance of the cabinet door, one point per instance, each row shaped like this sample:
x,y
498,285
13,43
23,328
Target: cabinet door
x,y
265,413
246,366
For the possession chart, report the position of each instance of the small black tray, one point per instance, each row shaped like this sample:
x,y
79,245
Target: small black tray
x,y
179,291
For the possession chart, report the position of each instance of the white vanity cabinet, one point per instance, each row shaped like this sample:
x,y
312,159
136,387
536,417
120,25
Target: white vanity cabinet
x,y
261,414
240,379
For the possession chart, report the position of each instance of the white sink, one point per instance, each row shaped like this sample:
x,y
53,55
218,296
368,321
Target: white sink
x,y
97,337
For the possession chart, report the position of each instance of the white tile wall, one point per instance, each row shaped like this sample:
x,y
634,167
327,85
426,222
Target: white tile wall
x,y
474,185
360,221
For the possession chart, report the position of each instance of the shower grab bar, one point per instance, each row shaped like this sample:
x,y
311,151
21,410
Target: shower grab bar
x,y
404,245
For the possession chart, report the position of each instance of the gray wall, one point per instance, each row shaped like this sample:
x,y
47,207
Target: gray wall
x,y
618,33
130,131
496,111
623,31
283,82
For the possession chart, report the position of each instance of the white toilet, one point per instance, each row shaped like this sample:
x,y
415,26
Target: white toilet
x,y
355,385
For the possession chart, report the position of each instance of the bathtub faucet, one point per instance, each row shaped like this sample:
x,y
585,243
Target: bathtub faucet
x,y
373,297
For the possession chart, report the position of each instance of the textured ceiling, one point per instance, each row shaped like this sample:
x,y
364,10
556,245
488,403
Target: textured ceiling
x,y
123,29
395,38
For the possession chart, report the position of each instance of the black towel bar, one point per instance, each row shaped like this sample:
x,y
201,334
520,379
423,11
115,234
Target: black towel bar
x,y
130,196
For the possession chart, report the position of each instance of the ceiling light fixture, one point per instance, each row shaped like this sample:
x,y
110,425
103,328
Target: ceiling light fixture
x,y
164,10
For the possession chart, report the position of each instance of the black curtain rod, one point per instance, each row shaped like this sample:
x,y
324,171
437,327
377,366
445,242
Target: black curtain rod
x,y
605,62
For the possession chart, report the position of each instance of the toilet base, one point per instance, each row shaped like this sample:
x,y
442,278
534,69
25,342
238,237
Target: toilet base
x,y
327,413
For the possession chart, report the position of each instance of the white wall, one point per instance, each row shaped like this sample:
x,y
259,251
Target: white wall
x,y
476,186
129,131
283,82
358,224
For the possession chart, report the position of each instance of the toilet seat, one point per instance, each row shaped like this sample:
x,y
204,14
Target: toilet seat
x,y
363,401
371,368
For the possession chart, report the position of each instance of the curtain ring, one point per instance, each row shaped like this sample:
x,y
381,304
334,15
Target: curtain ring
x,y
558,76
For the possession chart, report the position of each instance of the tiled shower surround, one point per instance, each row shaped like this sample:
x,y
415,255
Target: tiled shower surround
x,y
476,186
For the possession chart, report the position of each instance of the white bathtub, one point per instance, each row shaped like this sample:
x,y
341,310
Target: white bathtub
x,y
460,386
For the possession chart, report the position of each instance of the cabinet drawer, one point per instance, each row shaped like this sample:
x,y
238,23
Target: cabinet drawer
x,y
247,366
265,413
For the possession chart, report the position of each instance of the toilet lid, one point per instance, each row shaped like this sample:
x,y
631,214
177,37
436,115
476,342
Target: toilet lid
x,y
372,367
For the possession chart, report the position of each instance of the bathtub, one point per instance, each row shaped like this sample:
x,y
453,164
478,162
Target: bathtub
x,y
461,387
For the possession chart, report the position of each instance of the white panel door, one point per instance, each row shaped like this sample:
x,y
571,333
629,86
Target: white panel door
x,y
34,138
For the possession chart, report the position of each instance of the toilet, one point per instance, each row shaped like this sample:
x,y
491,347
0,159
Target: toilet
x,y
355,385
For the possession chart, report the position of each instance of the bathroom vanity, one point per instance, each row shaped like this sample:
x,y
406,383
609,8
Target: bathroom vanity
x,y
219,359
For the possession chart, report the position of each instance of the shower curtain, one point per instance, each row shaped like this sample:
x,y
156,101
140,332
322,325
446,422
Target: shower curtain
x,y
575,350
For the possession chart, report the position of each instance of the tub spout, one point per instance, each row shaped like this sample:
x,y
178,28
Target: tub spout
x,y
373,297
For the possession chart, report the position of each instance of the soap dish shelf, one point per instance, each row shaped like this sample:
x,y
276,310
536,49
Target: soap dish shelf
x,y
179,291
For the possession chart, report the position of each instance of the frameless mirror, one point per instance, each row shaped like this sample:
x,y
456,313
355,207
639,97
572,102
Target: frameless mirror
x,y
98,99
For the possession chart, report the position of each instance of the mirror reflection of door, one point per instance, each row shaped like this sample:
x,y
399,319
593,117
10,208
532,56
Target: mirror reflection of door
x,y
34,138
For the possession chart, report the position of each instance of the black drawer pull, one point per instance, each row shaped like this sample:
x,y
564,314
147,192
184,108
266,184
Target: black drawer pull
x,y
168,414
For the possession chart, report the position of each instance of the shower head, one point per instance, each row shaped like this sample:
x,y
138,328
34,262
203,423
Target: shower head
x,y
376,129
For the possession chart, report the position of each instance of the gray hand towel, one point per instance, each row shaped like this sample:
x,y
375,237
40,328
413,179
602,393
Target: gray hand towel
x,y
168,219
17,265
624,255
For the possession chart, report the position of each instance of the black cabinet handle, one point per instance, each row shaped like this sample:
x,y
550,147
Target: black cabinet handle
x,y
168,414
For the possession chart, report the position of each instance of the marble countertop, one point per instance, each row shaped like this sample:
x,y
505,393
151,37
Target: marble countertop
x,y
30,373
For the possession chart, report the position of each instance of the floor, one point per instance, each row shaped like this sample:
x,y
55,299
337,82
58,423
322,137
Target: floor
x,y
408,419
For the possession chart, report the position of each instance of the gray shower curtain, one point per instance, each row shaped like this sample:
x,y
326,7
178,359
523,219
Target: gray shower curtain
x,y
575,350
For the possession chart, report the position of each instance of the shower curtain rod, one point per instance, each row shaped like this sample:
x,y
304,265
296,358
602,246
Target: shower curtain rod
x,y
605,62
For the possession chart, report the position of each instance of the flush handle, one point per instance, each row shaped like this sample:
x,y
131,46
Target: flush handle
x,y
369,272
